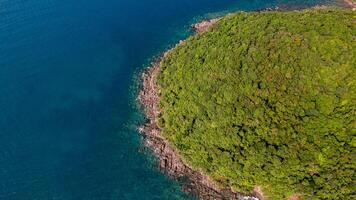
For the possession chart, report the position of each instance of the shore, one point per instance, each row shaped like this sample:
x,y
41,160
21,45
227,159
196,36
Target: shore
x,y
349,3
204,25
193,181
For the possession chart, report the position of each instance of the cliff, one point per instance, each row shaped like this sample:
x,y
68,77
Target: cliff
x,y
193,182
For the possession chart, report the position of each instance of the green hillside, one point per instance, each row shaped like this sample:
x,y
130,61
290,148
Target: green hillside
x,y
267,99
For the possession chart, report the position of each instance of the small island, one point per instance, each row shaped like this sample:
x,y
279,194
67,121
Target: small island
x,y
258,105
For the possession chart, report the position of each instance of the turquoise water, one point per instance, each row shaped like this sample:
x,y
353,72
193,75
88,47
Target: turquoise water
x,y
67,115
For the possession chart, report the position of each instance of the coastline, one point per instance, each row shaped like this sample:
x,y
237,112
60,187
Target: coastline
x,y
169,161
349,3
204,25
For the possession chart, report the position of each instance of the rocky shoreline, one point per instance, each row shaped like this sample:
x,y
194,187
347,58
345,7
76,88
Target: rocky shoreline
x,y
204,25
193,181
169,161
350,3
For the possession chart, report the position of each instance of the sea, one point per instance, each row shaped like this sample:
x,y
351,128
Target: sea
x,y
69,72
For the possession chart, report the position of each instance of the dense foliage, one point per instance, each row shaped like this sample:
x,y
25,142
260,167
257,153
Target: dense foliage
x,y
267,99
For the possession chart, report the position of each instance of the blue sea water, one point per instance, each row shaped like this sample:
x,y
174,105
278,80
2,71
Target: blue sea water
x,y
67,97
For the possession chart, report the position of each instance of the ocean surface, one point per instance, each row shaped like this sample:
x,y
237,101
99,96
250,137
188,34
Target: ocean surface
x,y
68,72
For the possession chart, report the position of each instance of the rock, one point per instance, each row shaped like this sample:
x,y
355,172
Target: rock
x,y
204,25
193,181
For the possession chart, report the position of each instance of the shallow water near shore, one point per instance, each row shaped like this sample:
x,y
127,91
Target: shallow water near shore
x,y
67,101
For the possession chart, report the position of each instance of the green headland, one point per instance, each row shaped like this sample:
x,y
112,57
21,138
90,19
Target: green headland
x,y
267,100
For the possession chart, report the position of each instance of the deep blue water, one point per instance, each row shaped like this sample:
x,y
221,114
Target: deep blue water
x,y
67,114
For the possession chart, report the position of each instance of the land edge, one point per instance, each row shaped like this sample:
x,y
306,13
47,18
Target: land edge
x,y
169,161
349,3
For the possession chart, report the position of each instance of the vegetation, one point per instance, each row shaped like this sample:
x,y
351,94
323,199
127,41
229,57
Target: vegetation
x,y
267,99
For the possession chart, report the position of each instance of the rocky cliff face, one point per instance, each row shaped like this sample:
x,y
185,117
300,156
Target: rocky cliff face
x,y
193,181
204,25
349,3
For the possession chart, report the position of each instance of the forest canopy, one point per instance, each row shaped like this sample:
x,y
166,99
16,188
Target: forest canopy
x,y
267,99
